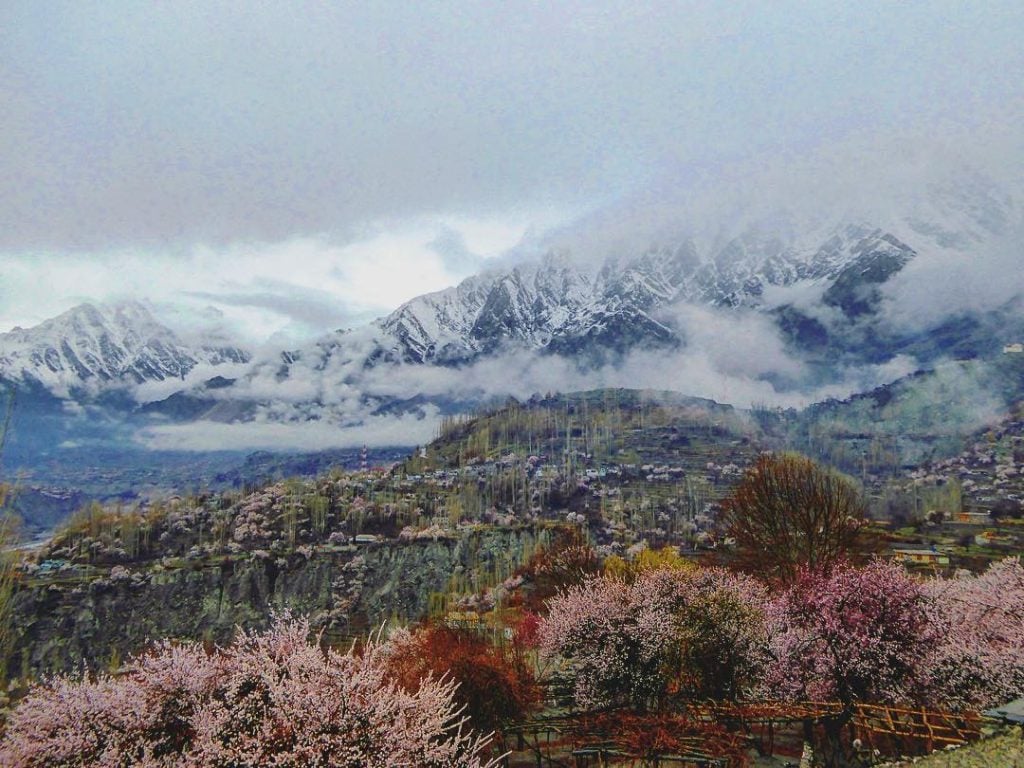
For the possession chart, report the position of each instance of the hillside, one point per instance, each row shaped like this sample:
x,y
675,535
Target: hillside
x,y
623,469
927,416
616,468
478,527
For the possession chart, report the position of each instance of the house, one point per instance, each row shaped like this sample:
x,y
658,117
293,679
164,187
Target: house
x,y
1017,348
921,557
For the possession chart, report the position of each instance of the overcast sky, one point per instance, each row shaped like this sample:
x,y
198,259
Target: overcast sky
x,y
291,168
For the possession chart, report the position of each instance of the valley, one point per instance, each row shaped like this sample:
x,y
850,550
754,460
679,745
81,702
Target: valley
x,y
511,385
449,527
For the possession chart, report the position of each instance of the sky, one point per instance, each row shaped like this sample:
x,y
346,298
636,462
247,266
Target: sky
x,y
284,169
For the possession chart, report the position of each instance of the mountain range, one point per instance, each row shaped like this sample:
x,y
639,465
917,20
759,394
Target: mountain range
x,y
556,306
90,348
768,305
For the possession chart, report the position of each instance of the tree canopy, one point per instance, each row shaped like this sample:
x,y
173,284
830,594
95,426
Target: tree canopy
x,y
789,512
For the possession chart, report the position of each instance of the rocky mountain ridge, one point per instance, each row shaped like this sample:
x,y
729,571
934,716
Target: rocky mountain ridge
x,y
780,304
559,305
94,346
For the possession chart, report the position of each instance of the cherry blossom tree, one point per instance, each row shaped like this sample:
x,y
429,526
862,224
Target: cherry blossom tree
x,y
850,635
593,627
691,633
978,658
271,698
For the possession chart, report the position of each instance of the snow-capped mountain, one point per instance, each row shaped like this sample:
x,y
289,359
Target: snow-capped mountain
x,y
824,274
561,305
91,346
773,305
552,304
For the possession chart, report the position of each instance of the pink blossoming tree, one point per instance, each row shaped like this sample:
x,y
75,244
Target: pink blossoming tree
x,y
850,635
670,632
978,659
270,699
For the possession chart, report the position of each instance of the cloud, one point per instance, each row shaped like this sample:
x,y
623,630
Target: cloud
x,y
154,391
987,276
918,181
135,126
732,357
375,432
450,245
296,289
312,413
315,309
330,398
272,173
270,163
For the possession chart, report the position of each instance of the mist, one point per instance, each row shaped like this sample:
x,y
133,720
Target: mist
x,y
275,175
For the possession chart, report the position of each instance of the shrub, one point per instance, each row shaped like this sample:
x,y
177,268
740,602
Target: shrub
x,y
646,560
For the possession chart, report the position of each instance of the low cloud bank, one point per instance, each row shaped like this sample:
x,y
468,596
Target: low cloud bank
x,y
375,432
958,202
329,398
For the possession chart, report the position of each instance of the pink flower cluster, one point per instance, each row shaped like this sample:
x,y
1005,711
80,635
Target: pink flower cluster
x,y
628,644
978,657
848,634
270,699
254,521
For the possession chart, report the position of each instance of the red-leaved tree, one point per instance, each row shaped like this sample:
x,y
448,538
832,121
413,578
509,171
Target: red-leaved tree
x,y
493,684
567,561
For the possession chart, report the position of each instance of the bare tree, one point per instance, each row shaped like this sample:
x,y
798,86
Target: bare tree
x,y
790,512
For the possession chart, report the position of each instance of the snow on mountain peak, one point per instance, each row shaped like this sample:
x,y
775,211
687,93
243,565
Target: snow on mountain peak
x,y
89,345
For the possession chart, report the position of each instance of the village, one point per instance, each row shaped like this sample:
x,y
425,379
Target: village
x,y
626,474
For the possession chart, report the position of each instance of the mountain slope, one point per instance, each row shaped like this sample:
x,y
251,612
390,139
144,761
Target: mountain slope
x,y
565,306
91,346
